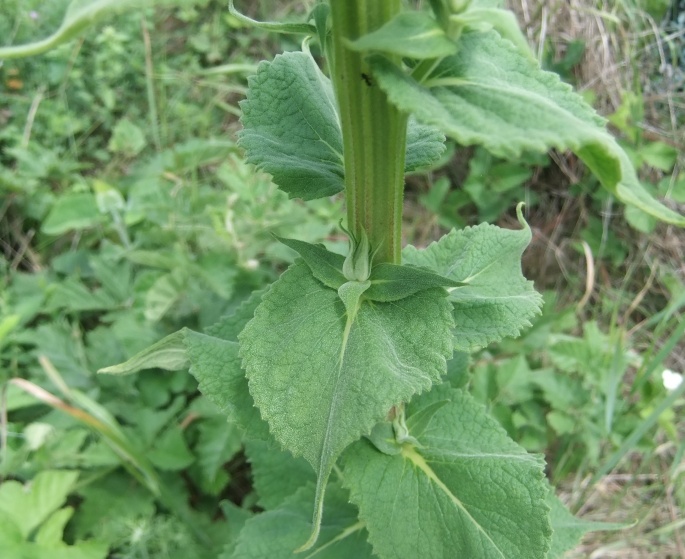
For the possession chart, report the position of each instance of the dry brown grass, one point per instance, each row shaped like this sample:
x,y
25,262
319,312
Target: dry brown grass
x,y
624,51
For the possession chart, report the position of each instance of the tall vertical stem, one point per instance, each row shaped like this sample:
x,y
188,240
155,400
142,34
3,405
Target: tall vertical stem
x,y
374,131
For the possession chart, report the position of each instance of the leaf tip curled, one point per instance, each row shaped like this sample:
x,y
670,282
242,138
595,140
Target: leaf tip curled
x,y
169,354
519,215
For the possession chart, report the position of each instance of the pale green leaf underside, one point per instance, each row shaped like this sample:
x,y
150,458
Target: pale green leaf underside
x,y
502,21
273,26
321,383
468,492
495,299
276,533
80,15
292,129
491,95
169,354
411,34
568,529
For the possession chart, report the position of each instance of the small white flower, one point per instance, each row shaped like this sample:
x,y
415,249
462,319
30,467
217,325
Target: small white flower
x,y
671,379
252,264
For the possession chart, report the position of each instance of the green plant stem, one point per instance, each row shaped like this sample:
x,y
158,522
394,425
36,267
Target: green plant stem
x,y
374,131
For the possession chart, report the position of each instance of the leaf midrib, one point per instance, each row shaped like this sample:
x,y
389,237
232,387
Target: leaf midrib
x,y
409,453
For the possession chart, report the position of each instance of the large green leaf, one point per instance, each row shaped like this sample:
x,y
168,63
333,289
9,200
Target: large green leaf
x,y
494,300
276,533
292,129
216,366
468,491
491,95
322,377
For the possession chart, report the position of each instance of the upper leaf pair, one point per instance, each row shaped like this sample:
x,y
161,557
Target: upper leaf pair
x,y
475,86
387,282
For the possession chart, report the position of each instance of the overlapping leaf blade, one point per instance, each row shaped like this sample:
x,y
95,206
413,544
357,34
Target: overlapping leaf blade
x,y
275,533
292,129
326,266
391,282
468,491
491,95
276,474
218,368
322,381
425,145
495,299
213,360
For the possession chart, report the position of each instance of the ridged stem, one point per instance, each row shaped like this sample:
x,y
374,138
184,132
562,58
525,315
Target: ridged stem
x,y
374,131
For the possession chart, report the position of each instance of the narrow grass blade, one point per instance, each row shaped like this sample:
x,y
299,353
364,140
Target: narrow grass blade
x,y
675,337
638,433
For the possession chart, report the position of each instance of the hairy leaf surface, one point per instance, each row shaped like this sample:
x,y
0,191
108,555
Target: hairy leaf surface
x,y
276,473
321,380
467,491
292,129
218,369
491,95
494,300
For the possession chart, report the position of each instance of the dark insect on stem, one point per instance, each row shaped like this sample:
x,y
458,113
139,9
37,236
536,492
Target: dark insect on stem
x,y
367,79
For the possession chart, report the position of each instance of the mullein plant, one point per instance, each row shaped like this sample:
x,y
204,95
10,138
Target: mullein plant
x,y
348,374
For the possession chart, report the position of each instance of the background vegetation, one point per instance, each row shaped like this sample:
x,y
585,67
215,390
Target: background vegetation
x,y
127,212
